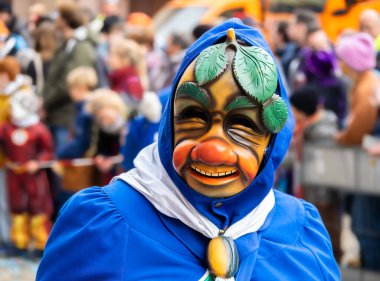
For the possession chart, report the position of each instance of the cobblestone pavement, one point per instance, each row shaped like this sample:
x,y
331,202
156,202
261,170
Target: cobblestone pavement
x,y
17,269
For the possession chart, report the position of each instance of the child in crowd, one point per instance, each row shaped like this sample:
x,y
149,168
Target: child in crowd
x,y
27,142
312,120
11,82
110,114
124,60
143,129
80,81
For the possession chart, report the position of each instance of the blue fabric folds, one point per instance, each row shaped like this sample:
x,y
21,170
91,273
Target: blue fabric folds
x,y
113,233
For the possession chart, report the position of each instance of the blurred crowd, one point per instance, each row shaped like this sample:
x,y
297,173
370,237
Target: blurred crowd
x,y
334,93
81,94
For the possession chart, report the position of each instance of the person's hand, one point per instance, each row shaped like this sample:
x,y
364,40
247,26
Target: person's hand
x,y
32,166
375,99
337,137
104,164
42,114
374,149
58,168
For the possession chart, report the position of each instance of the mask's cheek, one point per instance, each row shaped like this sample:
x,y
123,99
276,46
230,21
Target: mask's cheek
x,y
181,154
249,163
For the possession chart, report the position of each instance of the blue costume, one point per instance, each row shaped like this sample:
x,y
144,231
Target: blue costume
x,y
79,144
115,233
141,133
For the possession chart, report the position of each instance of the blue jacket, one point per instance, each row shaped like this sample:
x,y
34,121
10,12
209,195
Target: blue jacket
x,y
80,142
114,233
141,133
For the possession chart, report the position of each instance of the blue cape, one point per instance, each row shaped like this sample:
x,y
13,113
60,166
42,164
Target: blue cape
x,y
241,204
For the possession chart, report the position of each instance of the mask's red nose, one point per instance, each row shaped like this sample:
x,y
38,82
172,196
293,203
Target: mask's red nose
x,y
214,152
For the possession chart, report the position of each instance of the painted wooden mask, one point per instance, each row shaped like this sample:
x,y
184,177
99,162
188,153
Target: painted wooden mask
x,y
225,111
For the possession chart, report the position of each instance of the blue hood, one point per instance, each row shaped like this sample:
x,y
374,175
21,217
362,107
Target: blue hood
x,y
237,206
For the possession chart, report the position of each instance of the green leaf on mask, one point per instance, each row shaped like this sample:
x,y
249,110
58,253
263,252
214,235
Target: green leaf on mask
x,y
255,71
193,90
274,114
211,63
240,102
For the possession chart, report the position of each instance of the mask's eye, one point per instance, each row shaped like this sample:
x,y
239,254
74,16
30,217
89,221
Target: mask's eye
x,y
193,112
244,130
237,121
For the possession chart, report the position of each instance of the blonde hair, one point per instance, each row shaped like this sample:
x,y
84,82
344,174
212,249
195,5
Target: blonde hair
x,y
130,50
38,8
101,98
82,76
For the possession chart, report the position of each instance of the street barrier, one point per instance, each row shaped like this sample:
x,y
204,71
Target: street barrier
x,y
345,168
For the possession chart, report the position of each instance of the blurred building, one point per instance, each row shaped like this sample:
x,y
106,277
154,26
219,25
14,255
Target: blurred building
x,y
149,7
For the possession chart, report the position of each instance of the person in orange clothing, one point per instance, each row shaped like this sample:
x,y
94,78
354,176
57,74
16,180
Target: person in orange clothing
x,y
358,59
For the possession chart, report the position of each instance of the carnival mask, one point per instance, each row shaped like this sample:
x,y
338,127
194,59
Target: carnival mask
x,y
225,111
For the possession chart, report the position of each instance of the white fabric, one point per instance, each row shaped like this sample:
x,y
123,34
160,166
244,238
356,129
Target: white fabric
x,y
208,273
15,85
151,107
9,45
27,122
24,108
151,180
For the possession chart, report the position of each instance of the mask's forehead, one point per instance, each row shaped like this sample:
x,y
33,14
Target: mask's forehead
x,y
253,70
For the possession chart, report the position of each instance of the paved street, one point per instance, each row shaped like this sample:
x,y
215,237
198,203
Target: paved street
x,y
16,269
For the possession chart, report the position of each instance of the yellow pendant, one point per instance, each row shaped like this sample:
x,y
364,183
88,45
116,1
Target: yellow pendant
x,y
222,257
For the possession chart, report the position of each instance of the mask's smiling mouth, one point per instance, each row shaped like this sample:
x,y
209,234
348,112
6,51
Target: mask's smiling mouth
x,y
213,175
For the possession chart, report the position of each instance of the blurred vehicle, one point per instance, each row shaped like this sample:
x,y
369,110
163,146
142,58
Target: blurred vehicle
x,y
181,16
335,15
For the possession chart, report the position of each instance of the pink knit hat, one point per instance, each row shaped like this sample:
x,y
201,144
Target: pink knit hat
x,y
357,51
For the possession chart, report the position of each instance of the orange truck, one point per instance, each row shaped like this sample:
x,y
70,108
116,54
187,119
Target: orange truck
x,y
183,15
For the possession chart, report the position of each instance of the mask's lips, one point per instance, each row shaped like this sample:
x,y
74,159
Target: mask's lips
x,y
213,175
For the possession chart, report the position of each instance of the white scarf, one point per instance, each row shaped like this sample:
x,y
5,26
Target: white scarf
x,y
151,180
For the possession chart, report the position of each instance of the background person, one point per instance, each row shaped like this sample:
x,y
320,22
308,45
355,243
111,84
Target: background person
x,y
76,50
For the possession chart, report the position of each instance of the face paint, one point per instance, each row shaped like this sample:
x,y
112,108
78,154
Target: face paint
x,y
224,112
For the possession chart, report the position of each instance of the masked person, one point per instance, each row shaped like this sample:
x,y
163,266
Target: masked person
x,y
199,205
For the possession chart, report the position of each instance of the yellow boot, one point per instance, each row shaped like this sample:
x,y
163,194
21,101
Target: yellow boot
x,y
40,229
20,231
